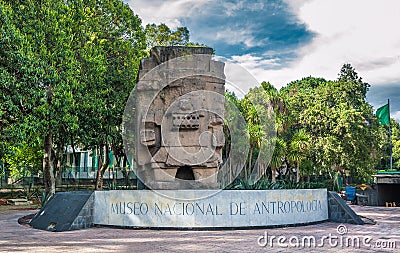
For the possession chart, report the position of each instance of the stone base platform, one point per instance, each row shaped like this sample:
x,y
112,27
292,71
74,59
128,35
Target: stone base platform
x,y
210,208
66,211
192,209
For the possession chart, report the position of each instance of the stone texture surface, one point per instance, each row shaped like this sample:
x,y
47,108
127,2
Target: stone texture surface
x,y
85,216
226,209
66,211
340,212
18,238
180,126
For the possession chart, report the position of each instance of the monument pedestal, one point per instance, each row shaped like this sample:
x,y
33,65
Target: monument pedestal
x,y
210,208
190,209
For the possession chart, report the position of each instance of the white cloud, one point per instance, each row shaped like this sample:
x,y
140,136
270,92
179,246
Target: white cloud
x,y
250,61
171,13
167,12
396,116
236,36
230,8
361,32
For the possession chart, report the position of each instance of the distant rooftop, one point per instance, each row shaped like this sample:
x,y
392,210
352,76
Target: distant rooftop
x,y
385,172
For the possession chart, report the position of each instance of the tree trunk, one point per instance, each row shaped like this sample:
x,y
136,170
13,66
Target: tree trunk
x,y
59,173
297,172
102,168
124,170
273,173
248,171
48,166
59,161
49,155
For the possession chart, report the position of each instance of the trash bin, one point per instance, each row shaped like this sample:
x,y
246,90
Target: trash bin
x,y
350,193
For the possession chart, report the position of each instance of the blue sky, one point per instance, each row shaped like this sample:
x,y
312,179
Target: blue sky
x,y
284,40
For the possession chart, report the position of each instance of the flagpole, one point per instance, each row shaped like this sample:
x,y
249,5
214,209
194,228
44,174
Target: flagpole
x,y
390,138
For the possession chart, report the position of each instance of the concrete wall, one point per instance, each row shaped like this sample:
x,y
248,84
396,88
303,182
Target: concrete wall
x,y
85,216
372,196
340,212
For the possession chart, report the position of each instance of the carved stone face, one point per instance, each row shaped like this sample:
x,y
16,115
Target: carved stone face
x,y
182,129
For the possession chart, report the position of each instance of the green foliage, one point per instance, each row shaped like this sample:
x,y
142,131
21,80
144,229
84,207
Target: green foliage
x,y
323,128
395,128
334,115
67,68
24,161
319,183
263,184
162,35
66,71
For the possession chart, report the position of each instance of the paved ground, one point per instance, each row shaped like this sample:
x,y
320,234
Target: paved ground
x,y
18,238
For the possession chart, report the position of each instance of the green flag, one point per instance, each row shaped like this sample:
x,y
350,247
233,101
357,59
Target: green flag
x,y
383,115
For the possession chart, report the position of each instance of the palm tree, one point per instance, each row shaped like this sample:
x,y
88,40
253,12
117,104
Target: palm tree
x,y
299,147
278,157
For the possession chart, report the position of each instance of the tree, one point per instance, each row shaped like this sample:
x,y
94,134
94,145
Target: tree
x,y
262,108
333,114
396,143
254,130
40,83
384,145
278,157
116,43
24,160
298,151
162,35
68,73
235,152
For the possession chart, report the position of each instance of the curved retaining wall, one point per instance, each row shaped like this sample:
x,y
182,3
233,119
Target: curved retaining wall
x,y
223,209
